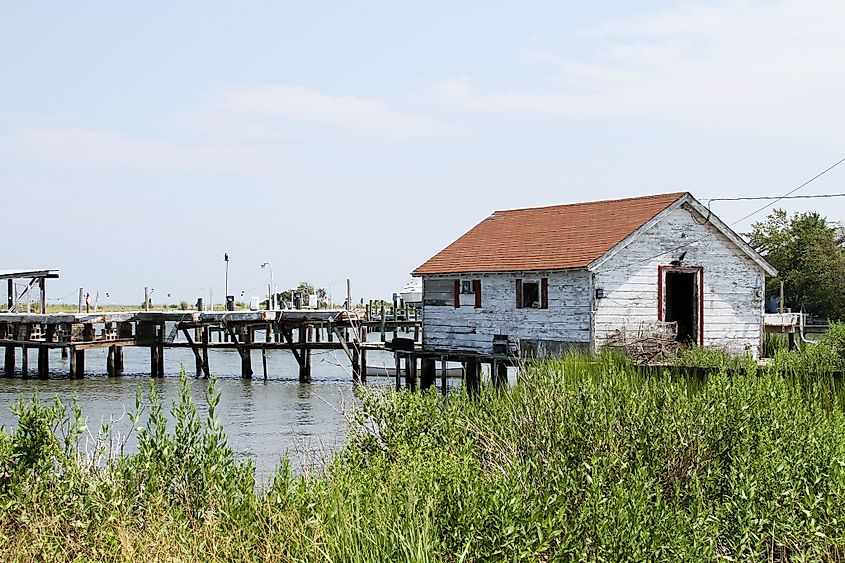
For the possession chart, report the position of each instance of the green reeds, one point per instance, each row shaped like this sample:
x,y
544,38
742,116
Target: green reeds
x,y
586,458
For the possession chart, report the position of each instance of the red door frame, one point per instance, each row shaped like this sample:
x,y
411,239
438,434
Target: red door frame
x,y
661,275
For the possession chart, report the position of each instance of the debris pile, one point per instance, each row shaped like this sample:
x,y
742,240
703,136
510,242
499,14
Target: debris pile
x,y
649,342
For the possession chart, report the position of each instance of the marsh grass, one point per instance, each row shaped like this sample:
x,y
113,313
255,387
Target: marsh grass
x,y
584,459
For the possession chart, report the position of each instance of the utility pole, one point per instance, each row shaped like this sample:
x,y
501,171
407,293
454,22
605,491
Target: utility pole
x,y
348,295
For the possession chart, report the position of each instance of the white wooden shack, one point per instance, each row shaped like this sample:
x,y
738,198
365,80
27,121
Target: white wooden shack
x,y
549,278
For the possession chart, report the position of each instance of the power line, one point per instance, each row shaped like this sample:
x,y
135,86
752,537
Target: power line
x,y
789,193
763,197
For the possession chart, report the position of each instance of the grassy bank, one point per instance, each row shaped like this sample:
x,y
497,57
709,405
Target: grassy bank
x,y
583,460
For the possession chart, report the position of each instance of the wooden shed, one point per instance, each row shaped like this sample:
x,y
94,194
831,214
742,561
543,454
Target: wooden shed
x,y
549,278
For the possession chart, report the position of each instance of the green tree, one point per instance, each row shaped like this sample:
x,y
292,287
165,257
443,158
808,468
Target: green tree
x,y
304,290
806,250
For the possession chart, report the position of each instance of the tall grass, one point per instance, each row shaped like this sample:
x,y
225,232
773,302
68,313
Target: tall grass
x,y
584,459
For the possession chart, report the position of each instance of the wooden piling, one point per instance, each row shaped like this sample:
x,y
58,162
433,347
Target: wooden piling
x,y
43,362
24,361
363,360
205,338
398,372
246,356
382,321
305,355
472,376
411,372
77,363
110,362
154,360
264,360
9,365
499,372
444,375
118,360
428,373
356,365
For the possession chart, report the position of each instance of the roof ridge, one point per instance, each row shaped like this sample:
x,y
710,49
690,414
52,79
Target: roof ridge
x,y
592,202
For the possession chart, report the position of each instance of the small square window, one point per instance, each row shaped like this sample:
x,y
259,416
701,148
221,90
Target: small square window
x,y
531,294
466,286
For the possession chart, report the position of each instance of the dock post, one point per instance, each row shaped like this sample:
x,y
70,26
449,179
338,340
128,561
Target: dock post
x,y
382,321
499,370
43,361
427,373
64,352
398,359
363,360
305,372
24,361
472,367
77,363
411,372
356,365
9,366
118,360
198,357
246,354
154,363
161,332
206,332
264,360
110,363
444,375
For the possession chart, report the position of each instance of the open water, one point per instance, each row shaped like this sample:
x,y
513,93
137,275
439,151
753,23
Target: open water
x,y
263,420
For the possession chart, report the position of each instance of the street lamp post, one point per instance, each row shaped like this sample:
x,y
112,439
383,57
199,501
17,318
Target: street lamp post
x,y
271,298
226,286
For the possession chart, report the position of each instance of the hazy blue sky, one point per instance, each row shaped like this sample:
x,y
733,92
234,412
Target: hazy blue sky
x,y
139,142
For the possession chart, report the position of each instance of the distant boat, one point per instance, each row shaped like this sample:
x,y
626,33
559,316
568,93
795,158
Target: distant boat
x,y
411,292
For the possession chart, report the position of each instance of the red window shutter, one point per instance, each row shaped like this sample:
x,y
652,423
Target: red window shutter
x,y
457,293
544,293
476,289
519,294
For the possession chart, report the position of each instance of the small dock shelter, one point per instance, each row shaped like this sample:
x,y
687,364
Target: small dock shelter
x,y
545,279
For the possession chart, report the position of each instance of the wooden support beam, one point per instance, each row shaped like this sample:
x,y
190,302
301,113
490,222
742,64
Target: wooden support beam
x,y
305,366
472,376
363,358
154,361
428,373
411,372
161,330
118,360
398,357
43,362
264,360
77,363
444,375
24,361
246,359
110,367
206,334
499,371
9,366
201,365
356,366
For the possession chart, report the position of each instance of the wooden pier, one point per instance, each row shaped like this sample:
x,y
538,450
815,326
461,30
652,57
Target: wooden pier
x,y
299,331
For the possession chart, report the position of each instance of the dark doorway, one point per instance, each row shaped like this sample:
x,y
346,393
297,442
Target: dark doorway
x,y
681,301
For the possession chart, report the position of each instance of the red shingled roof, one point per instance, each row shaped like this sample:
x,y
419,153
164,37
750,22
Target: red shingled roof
x,y
559,237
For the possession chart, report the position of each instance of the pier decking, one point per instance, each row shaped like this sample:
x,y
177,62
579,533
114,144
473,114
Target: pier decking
x,y
299,331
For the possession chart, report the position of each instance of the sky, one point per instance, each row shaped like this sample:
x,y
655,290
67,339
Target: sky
x,y
139,142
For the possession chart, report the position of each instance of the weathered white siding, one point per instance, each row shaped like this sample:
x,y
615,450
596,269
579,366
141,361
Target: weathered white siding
x,y
470,329
733,283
